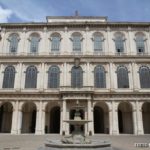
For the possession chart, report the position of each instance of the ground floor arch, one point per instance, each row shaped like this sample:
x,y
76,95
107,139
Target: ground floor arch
x,y
6,111
146,117
125,118
28,118
101,118
52,120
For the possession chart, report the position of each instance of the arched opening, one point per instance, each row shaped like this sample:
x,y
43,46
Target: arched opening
x,y
72,114
52,119
146,117
101,121
29,118
6,110
125,118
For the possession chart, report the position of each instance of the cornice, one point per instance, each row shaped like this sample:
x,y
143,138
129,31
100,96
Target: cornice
x,y
76,24
70,59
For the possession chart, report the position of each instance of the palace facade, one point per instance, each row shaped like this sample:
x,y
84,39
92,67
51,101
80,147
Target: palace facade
x,y
46,68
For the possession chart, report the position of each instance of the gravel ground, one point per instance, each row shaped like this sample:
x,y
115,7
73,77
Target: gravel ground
x,y
36,142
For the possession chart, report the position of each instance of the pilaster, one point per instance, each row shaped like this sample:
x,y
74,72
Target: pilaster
x,y
140,130
115,129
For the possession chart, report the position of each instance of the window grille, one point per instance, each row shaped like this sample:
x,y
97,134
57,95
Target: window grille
x,y
31,77
13,39
34,45
144,73
9,77
122,77
99,77
98,43
55,43
76,77
53,77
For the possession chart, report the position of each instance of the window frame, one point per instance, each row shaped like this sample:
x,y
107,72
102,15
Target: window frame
x,y
9,77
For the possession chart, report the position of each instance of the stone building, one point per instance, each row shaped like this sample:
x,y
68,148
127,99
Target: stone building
x,y
45,68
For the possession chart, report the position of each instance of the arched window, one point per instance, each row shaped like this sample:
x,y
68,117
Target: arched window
x,y
140,43
53,77
122,77
31,77
34,45
76,77
144,73
13,46
76,41
119,42
55,42
9,77
99,77
98,42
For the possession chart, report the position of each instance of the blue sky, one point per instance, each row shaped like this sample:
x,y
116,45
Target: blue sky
x,y
37,10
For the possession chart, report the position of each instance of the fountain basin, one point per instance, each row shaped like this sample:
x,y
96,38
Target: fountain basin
x,y
77,122
96,145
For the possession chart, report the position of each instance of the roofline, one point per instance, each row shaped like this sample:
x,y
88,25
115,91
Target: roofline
x,y
24,24
76,17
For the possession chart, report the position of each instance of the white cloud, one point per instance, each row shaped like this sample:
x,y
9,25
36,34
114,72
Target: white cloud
x,y
5,14
29,10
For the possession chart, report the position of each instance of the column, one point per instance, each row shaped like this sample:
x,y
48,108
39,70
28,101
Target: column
x,y
18,78
139,119
14,119
19,125
88,74
109,51
115,130
131,40
90,117
65,74
63,127
39,119
112,78
3,39
43,121
134,121
42,72
110,117
23,48
1,75
136,80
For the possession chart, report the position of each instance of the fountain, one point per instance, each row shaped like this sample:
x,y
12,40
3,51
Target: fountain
x,y
77,140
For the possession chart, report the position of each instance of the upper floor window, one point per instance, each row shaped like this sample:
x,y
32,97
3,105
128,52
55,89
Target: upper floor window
x,y
140,43
9,77
119,42
13,39
34,43
99,77
76,77
53,77
144,73
31,77
98,42
122,77
55,42
76,42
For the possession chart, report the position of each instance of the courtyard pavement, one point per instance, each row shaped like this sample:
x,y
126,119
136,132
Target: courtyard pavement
x,y
36,142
